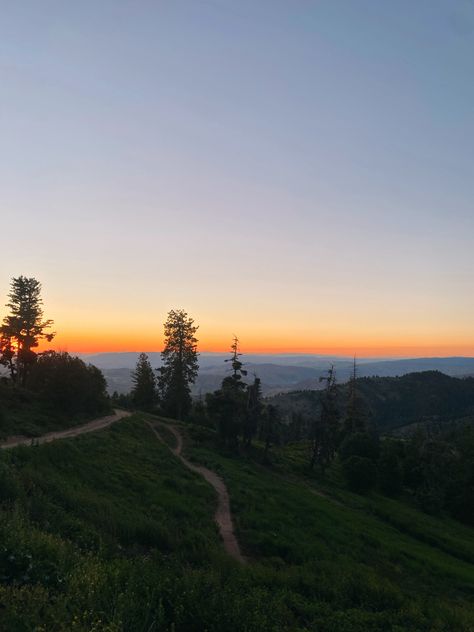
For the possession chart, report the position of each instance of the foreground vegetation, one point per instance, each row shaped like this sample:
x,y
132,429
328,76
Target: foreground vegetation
x,y
110,532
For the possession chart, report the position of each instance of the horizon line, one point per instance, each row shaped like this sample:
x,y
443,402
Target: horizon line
x,y
348,356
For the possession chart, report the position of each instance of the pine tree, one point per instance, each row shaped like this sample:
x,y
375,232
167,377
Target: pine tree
x,y
180,364
23,328
254,411
355,420
326,425
269,429
144,390
228,405
237,371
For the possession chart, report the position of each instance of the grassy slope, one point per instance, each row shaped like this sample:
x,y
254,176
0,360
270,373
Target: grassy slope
x,y
377,553
23,413
110,532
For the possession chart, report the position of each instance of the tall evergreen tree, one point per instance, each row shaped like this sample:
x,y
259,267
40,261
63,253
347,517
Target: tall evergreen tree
x,y
180,364
24,327
326,425
254,411
144,384
355,420
228,405
269,429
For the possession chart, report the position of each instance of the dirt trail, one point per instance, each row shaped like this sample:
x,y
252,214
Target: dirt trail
x,y
90,426
222,516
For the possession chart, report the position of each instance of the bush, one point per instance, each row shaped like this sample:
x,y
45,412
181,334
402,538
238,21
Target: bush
x,y
359,444
390,470
9,488
360,474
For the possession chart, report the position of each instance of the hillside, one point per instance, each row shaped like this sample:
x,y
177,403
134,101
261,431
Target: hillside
x,y
392,402
30,413
109,531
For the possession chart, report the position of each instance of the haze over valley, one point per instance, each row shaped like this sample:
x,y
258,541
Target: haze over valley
x,y
279,373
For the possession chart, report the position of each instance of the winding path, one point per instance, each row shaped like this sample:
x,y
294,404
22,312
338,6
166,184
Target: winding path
x,y
222,516
90,426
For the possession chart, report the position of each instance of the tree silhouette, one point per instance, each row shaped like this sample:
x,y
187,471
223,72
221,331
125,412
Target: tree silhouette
x,y
269,429
356,418
228,405
180,364
326,426
23,328
254,411
67,384
144,384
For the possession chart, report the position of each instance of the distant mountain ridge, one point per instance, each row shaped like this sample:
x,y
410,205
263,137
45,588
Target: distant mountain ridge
x,y
425,398
280,373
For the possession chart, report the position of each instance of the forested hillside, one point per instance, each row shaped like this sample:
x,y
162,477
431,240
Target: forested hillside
x,y
392,402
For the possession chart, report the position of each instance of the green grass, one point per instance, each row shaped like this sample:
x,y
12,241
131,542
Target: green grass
x,y
110,532
388,553
24,413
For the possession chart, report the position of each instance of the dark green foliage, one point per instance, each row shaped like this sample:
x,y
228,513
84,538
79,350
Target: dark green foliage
x,y
23,327
356,414
180,364
390,472
359,444
143,394
199,415
229,405
29,413
67,384
269,429
121,400
429,399
438,469
325,430
360,473
254,412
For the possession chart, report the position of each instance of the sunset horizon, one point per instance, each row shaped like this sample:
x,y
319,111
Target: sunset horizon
x,y
237,316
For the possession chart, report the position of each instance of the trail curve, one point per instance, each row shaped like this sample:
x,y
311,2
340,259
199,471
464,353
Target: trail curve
x,y
75,431
222,516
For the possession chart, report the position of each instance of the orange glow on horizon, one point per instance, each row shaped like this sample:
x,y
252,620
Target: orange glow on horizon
x,y
112,342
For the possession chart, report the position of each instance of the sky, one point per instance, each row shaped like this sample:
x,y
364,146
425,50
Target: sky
x,y
296,172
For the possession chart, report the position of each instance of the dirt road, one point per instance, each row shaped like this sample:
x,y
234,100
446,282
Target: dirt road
x,y
90,426
222,516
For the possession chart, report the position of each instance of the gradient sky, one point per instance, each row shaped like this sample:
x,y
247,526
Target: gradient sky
x,y
298,172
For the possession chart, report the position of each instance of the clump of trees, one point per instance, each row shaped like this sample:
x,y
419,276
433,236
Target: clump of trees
x,y
58,382
237,409
69,385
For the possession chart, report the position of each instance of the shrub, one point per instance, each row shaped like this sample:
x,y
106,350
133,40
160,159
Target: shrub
x,y
359,444
390,470
360,473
